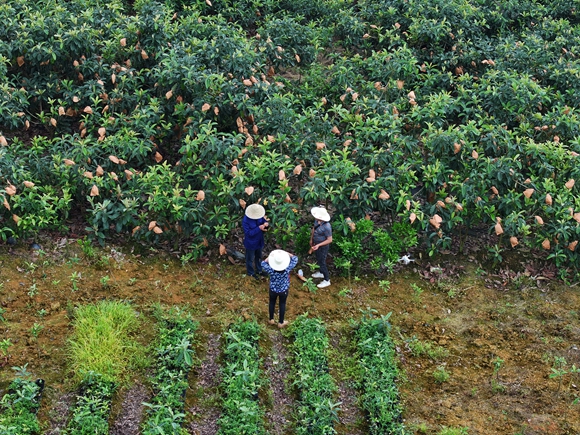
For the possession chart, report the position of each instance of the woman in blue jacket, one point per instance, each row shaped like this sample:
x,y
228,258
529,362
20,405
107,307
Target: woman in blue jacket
x,y
254,225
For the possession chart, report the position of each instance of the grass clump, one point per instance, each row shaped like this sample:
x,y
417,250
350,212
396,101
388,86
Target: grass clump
x,y
422,348
102,341
453,431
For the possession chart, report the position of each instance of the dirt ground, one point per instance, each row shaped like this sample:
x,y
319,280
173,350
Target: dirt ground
x,y
494,351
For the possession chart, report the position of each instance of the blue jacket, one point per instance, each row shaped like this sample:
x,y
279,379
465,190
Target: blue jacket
x,y
253,235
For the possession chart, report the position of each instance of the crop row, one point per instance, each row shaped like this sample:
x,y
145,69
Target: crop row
x,y
20,405
317,412
173,361
90,414
380,397
241,380
242,412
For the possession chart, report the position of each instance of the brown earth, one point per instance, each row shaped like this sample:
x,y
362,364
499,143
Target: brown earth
x,y
496,334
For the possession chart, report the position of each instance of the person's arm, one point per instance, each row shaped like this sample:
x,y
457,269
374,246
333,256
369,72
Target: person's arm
x,y
327,241
293,262
253,230
266,267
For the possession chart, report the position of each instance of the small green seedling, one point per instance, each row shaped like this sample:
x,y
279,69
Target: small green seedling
x,y
105,281
312,266
417,291
385,285
559,370
74,279
35,330
441,375
32,290
496,385
310,285
4,345
344,292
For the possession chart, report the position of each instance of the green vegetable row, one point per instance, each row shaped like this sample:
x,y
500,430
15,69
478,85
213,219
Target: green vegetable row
x,y
174,358
90,414
380,394
241,380
316,412
20,404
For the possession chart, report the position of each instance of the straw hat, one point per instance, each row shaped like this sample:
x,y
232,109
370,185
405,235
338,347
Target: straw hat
x,y
320,213
279,259
255,211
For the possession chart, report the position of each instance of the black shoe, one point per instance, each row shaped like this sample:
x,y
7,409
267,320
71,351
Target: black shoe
x,y
264,274
256,277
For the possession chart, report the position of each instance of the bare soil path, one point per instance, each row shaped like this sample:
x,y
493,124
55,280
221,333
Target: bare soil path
x,y
276,368
129,418
204,410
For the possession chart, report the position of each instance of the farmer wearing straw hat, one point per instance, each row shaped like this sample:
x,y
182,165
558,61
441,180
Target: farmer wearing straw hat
x,y
254,225
320,240
278,265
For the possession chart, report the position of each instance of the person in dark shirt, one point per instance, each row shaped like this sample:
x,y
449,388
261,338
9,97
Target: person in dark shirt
x,y
320,240
254,225
278,265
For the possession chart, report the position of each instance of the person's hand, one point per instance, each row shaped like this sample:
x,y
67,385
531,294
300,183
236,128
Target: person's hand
x,y
264,226
315,247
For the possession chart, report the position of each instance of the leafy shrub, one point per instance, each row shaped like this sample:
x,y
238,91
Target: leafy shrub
x,y
443,103
367,242
287,42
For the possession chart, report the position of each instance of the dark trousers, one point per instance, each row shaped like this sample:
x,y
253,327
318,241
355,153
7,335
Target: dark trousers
x,y
254,260
273,297
321,254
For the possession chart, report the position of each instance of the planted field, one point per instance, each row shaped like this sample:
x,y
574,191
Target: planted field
x,y
241,379
380,397
507,349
